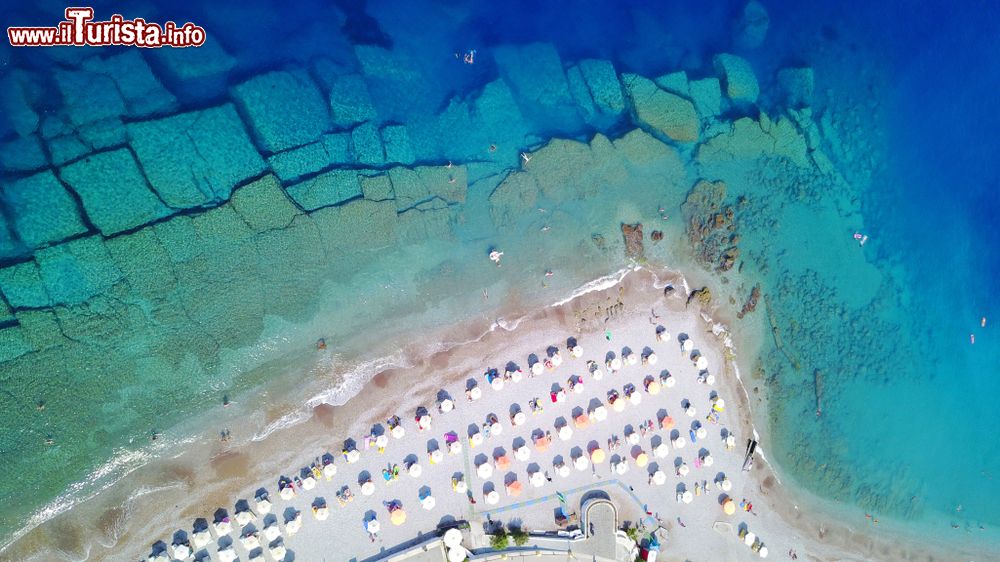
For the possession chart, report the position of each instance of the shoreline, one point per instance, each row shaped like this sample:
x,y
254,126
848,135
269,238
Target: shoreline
x,y
325,419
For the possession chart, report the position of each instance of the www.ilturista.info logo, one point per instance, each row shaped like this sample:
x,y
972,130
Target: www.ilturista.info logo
x,y
79,29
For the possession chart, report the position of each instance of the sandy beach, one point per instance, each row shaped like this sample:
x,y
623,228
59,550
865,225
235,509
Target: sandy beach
x,y
630,314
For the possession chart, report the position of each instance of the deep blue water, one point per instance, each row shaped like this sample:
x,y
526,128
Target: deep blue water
x,y
915,431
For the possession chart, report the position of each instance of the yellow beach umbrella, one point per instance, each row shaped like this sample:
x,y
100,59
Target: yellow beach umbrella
x,y
729,506
398,517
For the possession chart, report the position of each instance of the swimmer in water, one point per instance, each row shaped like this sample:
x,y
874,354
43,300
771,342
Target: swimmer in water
x,y
982,323
972,339
545,229
526,157
495,256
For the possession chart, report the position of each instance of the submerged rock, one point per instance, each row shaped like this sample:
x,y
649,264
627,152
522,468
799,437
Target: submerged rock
x,y
114,192
331,188
751,304
42,210
633,241
193,158
706,94
285,109
667,113
750,28
797,85
737,78
602,81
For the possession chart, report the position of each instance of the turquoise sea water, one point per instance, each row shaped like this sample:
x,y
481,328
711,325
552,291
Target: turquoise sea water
x,y
236,232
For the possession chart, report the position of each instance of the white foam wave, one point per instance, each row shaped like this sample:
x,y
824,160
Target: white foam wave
x,y
599,284
354,381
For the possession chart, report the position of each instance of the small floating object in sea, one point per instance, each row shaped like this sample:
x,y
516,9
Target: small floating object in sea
x,y
495,256
861,238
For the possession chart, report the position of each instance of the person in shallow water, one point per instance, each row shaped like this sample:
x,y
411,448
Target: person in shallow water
x,y
495,256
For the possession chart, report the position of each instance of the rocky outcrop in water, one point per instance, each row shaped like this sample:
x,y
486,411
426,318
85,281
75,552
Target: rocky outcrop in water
x,y
710,225
751,303
702,296
633,241
750,28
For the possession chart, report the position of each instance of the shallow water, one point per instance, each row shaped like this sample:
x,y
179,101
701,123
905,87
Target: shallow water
x,y
195,309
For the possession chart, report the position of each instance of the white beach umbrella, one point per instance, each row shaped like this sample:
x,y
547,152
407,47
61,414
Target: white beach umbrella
x,y
294,525
223,527
452,538
493,497
690,411
475,393
661,451
718,404
485,470
243,517
537,368
659,478
201,539
651,359
496,429
308,483
762,552
476,439
615,364
424,422
707,460
516,376
556,359
457,554
461,487
577,351
730,440
670,381
687,497
578,388
701,363
688,345
398,432
264,505
537,479
683,469
522,454
428,503
597,374
633,438
562,470
565,433
519,418
160,557
368,488
414,470
632,359
446,405
621,467
272,532
353,456
635,398
701,432
663,336
330,470
679,443
227,554
321,513
373,526
710,380
278,551
497,383
726,485
618,405
251,541
600,413
181,551
581,463
256,555
749,539
436,456
287,493
455,447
